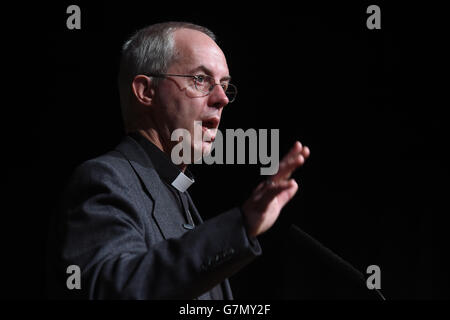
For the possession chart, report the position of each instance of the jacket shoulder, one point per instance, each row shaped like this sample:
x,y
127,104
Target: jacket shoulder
x,y
111,164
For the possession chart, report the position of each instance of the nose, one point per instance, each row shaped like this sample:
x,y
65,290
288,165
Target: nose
x,y
217,97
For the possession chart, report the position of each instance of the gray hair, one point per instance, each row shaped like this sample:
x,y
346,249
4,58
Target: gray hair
x,y
149,50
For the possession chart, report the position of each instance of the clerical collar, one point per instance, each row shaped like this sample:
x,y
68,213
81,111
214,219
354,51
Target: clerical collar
x,y
164,166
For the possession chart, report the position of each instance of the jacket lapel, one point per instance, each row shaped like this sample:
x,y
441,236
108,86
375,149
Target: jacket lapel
x,y
193,209
164,215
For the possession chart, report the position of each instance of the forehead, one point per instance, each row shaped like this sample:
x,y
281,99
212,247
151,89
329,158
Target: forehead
x,y
194,49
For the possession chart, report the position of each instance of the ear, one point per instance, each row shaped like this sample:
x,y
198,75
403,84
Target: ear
x,y
143,89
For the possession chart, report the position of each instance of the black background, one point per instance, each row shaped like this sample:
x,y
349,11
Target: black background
x,y
374,189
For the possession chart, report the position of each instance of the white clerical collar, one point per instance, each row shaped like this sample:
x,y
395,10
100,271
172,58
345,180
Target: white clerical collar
x,y
182,182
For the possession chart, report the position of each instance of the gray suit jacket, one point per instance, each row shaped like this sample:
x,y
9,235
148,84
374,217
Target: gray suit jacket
x,y
119,225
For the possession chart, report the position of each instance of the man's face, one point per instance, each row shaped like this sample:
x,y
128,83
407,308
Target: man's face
x,y
178,103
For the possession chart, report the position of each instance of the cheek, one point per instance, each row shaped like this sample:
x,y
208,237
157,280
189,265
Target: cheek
x,y
187,112
179,110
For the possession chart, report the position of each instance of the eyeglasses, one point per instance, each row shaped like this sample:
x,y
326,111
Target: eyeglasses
x,y
205,84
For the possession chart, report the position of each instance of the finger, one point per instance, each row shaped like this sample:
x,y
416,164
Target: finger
x,y
273,191
296,149
292,161
288,160
260,186
286,195
257,193
306,152
288,167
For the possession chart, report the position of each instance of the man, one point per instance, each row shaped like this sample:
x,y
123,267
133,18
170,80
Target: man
x,y
128,221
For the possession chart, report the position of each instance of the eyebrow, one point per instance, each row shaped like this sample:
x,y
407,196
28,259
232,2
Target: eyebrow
x,y
209,72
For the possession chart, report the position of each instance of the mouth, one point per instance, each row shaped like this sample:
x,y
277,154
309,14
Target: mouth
x,y
209,127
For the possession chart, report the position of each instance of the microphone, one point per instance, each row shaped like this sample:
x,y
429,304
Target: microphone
x,y
304,240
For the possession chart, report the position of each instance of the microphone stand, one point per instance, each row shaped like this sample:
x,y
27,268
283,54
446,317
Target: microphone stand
x,y
301,237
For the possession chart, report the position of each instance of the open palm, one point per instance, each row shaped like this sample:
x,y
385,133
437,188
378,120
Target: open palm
x,y
263,207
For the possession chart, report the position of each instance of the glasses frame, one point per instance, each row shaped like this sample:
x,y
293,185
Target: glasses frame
x,y
164,75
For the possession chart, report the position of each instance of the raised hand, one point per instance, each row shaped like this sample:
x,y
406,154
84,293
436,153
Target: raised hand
x,y
263,207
